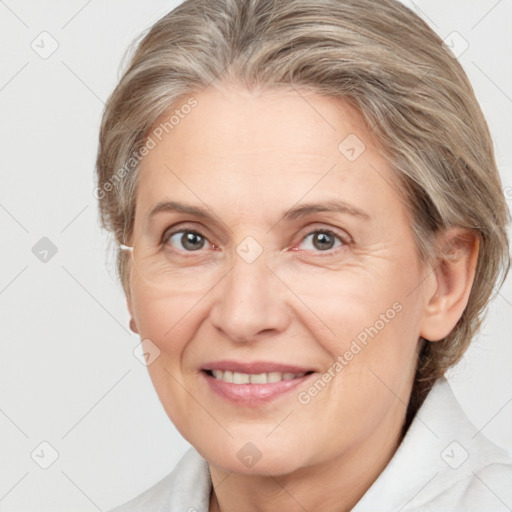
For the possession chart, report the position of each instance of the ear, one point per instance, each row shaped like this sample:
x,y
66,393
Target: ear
x,y
133,324
127,293
453,275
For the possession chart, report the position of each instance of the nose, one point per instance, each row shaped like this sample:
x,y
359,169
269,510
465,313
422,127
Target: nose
x,y
250,302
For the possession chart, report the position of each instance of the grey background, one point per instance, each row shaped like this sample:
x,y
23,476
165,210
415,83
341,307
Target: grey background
x,y
68,373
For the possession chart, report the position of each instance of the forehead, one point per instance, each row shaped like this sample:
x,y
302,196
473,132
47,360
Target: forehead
x,y
248,147
283,121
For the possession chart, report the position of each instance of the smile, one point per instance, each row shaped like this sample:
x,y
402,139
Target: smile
x,y
253,384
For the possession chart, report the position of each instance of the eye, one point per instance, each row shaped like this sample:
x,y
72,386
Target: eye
x,y
185,240
188,240
322,240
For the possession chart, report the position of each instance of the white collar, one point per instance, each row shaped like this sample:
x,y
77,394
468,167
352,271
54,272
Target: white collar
x,y
437,462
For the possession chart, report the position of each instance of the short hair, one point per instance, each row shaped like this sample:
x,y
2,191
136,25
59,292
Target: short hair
x,y
379,56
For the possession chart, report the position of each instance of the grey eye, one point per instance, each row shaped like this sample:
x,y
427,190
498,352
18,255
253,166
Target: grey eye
x,y
322,241
189,240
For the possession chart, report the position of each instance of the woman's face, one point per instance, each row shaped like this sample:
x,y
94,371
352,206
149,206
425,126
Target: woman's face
x,y
301,270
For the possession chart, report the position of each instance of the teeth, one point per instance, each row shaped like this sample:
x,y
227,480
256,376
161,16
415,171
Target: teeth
x,y
274,377
217,374
240,378
260,378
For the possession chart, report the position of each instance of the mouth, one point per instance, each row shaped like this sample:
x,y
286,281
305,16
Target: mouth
x,y
253,384
254,378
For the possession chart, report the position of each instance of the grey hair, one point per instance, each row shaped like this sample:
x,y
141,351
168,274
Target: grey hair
x,y
376,54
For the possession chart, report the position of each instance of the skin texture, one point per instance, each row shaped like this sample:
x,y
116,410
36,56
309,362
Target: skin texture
x,y
248,157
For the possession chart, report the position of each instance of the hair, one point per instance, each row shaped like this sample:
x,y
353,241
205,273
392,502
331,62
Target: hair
x,y
379,56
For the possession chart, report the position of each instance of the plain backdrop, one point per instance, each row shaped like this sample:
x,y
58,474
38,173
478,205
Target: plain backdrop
x,y
69,378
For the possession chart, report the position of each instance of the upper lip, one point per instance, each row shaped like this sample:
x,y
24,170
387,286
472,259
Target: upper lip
x,y
254,367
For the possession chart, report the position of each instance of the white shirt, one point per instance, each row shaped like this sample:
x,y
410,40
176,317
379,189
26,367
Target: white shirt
x,y
443,464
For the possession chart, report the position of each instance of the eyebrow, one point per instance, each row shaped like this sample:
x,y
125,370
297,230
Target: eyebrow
x,y
330,206
296,212
175,206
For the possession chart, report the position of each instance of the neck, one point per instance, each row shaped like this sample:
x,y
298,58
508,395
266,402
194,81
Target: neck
x,y
335,485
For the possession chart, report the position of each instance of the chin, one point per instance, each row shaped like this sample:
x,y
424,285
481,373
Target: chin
x,y
261,457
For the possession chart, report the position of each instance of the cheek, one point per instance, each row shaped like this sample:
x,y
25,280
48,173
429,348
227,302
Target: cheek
x,y
169,321
372,320
165,319
352,301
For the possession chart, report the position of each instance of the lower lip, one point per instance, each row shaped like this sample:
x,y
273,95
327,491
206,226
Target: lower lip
x,y
253,394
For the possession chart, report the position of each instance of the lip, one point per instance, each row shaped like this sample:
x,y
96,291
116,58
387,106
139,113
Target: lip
x,y
254,367
253,395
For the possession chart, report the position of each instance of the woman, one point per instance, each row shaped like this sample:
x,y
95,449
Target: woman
x,y
310,225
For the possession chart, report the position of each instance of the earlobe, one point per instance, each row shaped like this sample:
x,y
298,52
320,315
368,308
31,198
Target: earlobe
x,y
454,273
133,324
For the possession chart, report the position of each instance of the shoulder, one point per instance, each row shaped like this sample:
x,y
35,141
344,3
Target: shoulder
x,y
444,463
186,488
489,488
471,472
486,488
